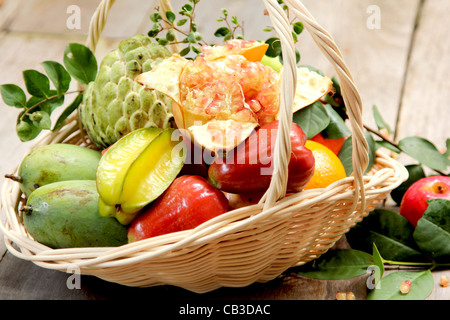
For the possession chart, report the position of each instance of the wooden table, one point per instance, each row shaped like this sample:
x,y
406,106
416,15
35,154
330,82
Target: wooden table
x,y
398,52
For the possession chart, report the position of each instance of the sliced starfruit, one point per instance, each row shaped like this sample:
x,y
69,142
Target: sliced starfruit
x,y
116,161
153,171
136,170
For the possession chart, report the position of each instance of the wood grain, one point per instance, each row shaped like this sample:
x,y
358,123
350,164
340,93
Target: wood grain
x,y
425,111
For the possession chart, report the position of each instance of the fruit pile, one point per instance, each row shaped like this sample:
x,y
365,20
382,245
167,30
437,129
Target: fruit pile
x,y
150,176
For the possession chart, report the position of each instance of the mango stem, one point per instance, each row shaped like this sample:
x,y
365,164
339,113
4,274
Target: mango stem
x,y
13,177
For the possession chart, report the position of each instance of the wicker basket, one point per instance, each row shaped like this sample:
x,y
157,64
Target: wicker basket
x,y
252,244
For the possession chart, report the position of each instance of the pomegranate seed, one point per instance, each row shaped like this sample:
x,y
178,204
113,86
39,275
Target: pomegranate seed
x,y
350,296
405,287
444,282
341,296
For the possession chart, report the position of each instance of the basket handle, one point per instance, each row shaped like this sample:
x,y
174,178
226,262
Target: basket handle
x,y
326,44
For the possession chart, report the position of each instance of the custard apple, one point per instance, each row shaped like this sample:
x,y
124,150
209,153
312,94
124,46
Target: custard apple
x,y
115,104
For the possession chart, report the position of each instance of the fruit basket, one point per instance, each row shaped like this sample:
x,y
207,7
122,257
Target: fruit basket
x,y
251,244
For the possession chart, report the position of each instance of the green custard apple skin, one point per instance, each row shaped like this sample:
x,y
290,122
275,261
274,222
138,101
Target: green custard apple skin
x,y
115,104
57,162
65,215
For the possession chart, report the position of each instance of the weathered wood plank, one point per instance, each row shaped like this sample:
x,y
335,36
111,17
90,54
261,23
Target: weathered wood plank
x,y
8,10
125,19
424,109
375,53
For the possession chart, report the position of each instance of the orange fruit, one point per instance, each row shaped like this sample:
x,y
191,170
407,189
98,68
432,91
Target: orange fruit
x,y
334,145
252,50
328,167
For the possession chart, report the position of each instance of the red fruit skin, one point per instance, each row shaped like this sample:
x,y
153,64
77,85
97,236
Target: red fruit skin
x,y
241,171
194,163
414,202
188,202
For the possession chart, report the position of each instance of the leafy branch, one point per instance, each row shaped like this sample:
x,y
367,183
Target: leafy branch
x,y
385,238
36,109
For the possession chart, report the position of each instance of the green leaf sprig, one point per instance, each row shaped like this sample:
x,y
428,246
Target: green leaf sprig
x,y
167,26
36,110
385,238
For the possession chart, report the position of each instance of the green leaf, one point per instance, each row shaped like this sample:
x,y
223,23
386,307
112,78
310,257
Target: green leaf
x,y
13,95
423,151
422,283
312,119
447,152
415,173
155,17
170,36
274,49
194,37
185,51
68,111
432,233
337,264
346,156
80,62
336,128
162,41
381,124
170,16
182,22
222,32
390,232
377,259
37,83
298,27
58,76
186,9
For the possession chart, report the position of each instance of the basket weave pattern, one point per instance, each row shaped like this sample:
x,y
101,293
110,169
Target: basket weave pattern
x,y
251,244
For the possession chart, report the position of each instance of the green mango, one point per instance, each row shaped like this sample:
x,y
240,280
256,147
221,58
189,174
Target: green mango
x,y
65,215
57,162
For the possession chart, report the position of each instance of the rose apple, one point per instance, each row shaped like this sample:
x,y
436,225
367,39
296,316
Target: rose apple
x,y
194,163
414,202
249,167
188,202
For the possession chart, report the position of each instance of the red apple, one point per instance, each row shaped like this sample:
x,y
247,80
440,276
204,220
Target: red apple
x,y
414,202
189,201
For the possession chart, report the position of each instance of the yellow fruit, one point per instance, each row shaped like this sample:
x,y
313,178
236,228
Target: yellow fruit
x,y
136,170
328,167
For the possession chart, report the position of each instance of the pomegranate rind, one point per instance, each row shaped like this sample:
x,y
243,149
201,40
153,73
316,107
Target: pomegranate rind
x,y
221,136
311,86
227,91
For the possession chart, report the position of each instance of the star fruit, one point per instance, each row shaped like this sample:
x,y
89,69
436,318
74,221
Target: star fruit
x,y
136,170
